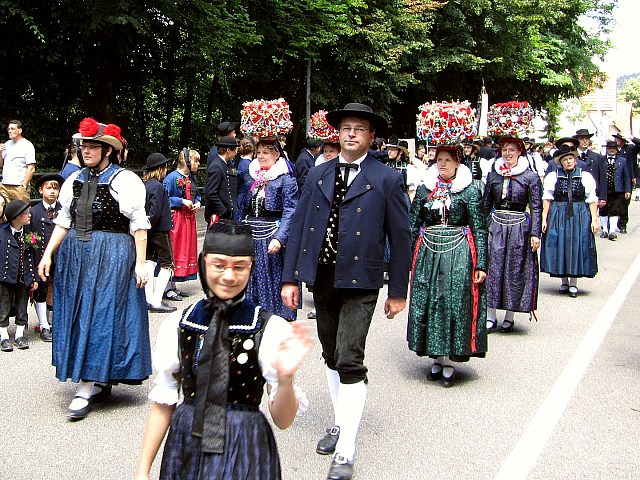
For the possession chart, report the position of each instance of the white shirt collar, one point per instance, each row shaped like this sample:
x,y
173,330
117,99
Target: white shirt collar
x,y
357,161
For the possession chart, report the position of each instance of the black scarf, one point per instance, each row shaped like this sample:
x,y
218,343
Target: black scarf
x,y
210,418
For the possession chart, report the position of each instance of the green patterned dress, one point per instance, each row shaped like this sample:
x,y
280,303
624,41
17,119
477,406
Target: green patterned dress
x,y
447,315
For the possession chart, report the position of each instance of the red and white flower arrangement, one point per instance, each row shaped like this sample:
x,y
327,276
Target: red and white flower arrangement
x,y
265,118
511,118
443,123
319,128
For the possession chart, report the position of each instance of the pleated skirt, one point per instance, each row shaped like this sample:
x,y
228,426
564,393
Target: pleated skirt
x,y
568,246
250,449
101,322
444,318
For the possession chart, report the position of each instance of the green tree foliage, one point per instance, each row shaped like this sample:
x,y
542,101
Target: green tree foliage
x,y
630,92
169,71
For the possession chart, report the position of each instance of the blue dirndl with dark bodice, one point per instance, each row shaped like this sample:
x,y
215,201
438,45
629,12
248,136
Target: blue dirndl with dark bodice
x,y
250,450
101,321
569,246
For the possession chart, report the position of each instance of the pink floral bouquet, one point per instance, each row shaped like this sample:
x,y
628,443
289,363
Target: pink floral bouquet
x,y
511,119
445,123
265,118
32,239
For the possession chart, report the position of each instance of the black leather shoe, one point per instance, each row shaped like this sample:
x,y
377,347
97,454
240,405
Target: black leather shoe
x,y
172,295
21,343
564,288
573,292
312,314
181,293
613,237
506,328
327,444
434,376
80,413
448,382
163,308
341,469
623,230
45,335
103,394
6,346
493,327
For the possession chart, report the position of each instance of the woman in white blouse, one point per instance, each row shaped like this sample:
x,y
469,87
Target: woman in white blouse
x,y
569,222
220,353
101,324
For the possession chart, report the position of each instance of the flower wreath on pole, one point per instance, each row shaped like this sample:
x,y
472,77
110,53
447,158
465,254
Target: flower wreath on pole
x,y
446,123
319,128
511,119
265,118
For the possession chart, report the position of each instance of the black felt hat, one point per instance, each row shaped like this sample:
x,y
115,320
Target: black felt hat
x,y
225,128
611,144
618,135
155,160
574,141
14,208
357,110
49,177
583,132
227,141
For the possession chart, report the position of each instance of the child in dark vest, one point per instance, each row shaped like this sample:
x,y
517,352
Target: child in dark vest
x,y
229,349
17,277
42,224
158,241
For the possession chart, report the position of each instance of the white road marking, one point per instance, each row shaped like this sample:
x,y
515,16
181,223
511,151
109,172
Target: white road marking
x,y
525,454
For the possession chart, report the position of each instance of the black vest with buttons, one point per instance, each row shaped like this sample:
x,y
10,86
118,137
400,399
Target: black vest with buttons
x,y
329,249
246,327
561,191
105,210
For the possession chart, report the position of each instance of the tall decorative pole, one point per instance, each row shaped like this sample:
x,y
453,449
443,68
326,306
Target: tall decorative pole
x,y
484,112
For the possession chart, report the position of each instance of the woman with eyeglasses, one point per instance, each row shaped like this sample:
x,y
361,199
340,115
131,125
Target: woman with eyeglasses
x,y
269,202
513,202
569,222
101,333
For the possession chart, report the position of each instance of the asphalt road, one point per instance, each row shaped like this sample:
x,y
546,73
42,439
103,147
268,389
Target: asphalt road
x,y
555,399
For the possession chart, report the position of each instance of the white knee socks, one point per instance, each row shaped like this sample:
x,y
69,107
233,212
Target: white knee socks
x,y
604,224
41,312
613,224
155,287
351,400
161,282
333,381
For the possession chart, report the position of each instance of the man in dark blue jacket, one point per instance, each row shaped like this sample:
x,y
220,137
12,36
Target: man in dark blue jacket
x,y
307,159
630,152
594,163
219,190
336,243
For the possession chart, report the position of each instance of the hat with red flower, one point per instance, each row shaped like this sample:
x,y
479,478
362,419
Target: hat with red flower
x,y
89,129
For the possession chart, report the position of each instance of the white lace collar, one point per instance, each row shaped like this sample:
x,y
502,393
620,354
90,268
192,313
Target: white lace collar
x,y
519,168
277,169
461,181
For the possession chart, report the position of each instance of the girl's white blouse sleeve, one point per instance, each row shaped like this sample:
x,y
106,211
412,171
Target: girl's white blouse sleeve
x,y
277,330
166,362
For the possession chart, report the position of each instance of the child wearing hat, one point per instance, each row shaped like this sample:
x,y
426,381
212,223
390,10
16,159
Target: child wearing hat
x,y
220,353
42,223
17,278
158,241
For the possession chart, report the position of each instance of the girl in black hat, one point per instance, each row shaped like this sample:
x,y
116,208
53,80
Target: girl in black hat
x,y
220,353
158,241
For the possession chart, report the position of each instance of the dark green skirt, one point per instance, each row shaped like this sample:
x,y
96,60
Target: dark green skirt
x,y
445,317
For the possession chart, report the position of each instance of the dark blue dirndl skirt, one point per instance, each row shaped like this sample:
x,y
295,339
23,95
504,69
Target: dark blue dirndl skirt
x,y
101,321
568,246
250,449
